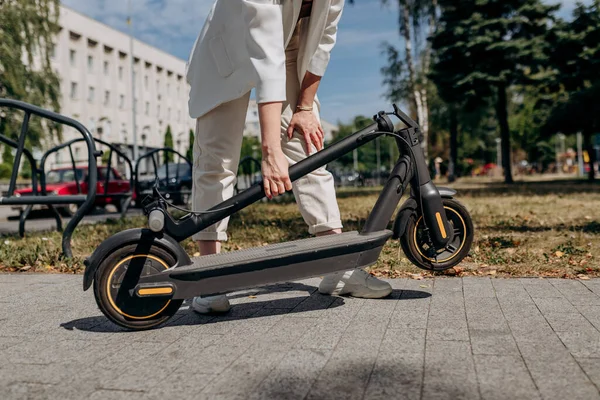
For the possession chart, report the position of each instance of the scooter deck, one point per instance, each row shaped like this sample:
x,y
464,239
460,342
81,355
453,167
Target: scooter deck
x,y
271,264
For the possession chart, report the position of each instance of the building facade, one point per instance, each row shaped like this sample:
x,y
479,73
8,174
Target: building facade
x,y
94,64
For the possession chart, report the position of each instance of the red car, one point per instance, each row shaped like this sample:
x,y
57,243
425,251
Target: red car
x,y
62,182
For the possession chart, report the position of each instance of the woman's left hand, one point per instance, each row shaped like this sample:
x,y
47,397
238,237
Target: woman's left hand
x,y
306,123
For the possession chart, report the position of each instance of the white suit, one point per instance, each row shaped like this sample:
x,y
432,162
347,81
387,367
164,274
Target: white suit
x,y
258,44
242,47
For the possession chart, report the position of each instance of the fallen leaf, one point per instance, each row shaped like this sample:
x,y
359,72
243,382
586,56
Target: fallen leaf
x,y
559,254
416,276
424,286
583,277
252,297
196,254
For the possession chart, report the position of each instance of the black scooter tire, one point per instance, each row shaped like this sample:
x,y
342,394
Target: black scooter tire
x,y
118,305
409,241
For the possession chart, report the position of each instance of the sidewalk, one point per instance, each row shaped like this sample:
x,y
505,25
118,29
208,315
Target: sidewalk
x,y
444,338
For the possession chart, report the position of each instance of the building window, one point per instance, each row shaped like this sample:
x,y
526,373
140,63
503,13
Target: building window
x,y
73,90
72,57
91,94
53,52
146,81
169,113
168,89
90,64
120,73
147,109
122,101
106,66
158,111
106,97
178,115
158,85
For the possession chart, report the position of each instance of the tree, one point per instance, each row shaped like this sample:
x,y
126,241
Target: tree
x,y
27,31
405,77
486,46
576,60
189,154
168,145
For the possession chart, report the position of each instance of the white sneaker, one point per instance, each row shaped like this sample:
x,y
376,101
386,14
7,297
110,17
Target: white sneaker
x,y
355,283
211,304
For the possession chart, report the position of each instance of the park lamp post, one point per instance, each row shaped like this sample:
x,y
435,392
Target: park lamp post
x,y
133,100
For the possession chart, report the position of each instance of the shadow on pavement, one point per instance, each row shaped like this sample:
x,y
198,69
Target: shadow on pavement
x,y
256,309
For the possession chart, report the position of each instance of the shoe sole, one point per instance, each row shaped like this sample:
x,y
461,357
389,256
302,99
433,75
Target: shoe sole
x,y
205,310
360,292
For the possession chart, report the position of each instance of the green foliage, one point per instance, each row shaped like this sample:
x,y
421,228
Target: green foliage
x,y
27,30
168,145
189,154
575,57
367,154
483,47
576,60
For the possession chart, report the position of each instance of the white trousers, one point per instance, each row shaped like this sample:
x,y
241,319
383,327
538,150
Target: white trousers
x,y
217,147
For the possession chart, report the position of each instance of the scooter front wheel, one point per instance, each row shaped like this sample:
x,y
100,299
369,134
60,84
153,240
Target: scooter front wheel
x,y
417,247
115,281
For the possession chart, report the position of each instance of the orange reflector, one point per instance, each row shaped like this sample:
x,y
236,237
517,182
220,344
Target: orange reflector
x,y
441,224
155,291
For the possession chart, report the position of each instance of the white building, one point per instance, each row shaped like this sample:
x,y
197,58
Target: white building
x,y
93,62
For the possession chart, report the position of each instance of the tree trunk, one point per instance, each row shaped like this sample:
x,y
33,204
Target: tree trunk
x,y
502,115
589,147
406,33
453,143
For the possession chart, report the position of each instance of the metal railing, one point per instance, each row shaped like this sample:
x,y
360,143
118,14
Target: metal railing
x,y
86,201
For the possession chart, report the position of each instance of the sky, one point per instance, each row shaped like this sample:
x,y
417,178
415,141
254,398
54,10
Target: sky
x,y
352,84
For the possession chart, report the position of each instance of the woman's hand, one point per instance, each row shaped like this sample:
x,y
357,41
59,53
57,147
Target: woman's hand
x,y
276,179
306,123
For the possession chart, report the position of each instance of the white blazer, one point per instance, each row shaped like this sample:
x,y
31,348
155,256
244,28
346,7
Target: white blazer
x,y
242,46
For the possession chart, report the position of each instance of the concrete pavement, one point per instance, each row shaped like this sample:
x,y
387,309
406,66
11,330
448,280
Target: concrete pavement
x,y
448,338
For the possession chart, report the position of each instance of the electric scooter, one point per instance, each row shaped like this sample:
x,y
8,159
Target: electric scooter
x,y
142,276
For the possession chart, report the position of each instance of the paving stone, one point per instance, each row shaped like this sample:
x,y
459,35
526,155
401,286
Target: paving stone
x,y
582,343
504,377
554,305
591,366
398,370
493,342
562,379
449,371
293,377
561,322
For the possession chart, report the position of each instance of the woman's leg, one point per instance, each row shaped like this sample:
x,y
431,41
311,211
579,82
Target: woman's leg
x,y
315,192
217,146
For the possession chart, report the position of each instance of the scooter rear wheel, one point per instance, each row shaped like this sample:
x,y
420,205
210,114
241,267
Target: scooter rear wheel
x,y
416,245
115,280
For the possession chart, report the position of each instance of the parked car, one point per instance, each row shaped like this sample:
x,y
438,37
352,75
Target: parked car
x,y
174,183
350,178
61,182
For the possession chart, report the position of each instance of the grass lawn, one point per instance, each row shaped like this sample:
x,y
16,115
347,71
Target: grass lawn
x,y
549,228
